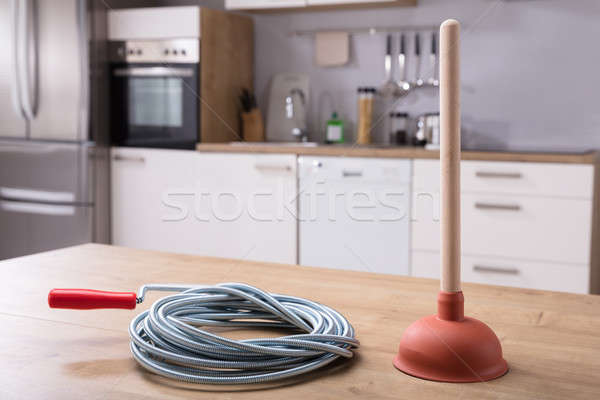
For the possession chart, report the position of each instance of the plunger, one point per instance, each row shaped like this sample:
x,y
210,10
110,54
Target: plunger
x,y
448,346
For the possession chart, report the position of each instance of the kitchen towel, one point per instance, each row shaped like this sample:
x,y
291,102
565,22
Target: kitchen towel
x,y
332,49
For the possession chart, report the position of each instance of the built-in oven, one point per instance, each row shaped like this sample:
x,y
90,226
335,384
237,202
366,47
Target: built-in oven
x,y
154,93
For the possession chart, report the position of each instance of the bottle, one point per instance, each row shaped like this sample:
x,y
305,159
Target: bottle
x,y
335,129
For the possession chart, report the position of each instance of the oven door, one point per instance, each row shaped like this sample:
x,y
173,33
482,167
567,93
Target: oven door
x,y
154,105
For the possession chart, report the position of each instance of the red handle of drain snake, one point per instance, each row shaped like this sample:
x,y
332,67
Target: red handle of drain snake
x,y
88,299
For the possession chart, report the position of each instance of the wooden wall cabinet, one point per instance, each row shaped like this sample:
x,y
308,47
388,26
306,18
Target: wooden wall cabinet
x,y
226,67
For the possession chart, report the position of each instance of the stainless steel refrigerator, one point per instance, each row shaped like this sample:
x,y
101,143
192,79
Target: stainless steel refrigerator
x,y
53,134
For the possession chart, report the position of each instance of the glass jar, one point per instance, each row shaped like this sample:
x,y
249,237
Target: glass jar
x,y
399,128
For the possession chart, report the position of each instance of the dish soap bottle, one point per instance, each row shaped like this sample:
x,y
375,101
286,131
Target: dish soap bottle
x,y
335,129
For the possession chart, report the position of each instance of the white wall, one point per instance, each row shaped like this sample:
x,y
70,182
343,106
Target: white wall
x,y
530,69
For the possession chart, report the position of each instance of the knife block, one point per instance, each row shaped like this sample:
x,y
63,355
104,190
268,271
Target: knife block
x,y
253,128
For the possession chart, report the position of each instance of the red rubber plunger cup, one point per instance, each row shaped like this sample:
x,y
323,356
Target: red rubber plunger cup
x,y
448,346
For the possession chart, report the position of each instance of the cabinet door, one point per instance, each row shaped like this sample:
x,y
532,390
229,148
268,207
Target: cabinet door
x,y
354,213
152,199
258,4
246,206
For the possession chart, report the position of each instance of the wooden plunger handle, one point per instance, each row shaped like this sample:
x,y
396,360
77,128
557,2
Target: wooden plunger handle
x,y
450,154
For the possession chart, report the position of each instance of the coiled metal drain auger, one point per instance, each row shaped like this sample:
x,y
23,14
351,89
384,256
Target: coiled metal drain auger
x,y
169,339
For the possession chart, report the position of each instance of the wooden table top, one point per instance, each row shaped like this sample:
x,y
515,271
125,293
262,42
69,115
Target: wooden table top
x,y
550,340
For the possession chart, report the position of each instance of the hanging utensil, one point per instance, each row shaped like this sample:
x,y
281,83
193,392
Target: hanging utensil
x,y
403,85
389,87
433,81
418,79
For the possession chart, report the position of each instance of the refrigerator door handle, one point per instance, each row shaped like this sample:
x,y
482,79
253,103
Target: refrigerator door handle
x,y
84,93
36,208
34,195
15,87
27,26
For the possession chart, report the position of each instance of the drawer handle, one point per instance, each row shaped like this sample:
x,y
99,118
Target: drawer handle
x,y
272,168
119,157
507,175
350,174
493,206
496,270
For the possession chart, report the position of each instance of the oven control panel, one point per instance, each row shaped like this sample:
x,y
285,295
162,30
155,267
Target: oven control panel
x,y
153,51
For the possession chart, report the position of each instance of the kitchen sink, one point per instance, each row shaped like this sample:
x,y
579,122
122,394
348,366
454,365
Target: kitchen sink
x,y
276,144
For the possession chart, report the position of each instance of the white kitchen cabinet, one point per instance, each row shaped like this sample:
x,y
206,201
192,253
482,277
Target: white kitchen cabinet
x,y
151,199
354,213
262,4
246,206
537,216
338,2
310,4
225,205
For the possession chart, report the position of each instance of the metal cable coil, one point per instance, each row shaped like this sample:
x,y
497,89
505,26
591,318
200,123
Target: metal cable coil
x,y
168,339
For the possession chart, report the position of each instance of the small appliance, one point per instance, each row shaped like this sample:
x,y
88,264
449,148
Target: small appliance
x,y
287,112
154,87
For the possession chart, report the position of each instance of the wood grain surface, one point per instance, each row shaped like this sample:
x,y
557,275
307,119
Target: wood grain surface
x,y
590,157
226,67
450,155
550,339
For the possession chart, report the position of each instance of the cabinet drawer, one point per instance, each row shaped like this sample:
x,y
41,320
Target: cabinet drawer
x,y
507,272
552,229
536,179
532,179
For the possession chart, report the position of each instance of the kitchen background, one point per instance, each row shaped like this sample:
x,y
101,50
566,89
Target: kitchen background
x,y
127,129
529,67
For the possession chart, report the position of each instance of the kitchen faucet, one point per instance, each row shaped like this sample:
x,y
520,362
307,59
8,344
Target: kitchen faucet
x,y
299,131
